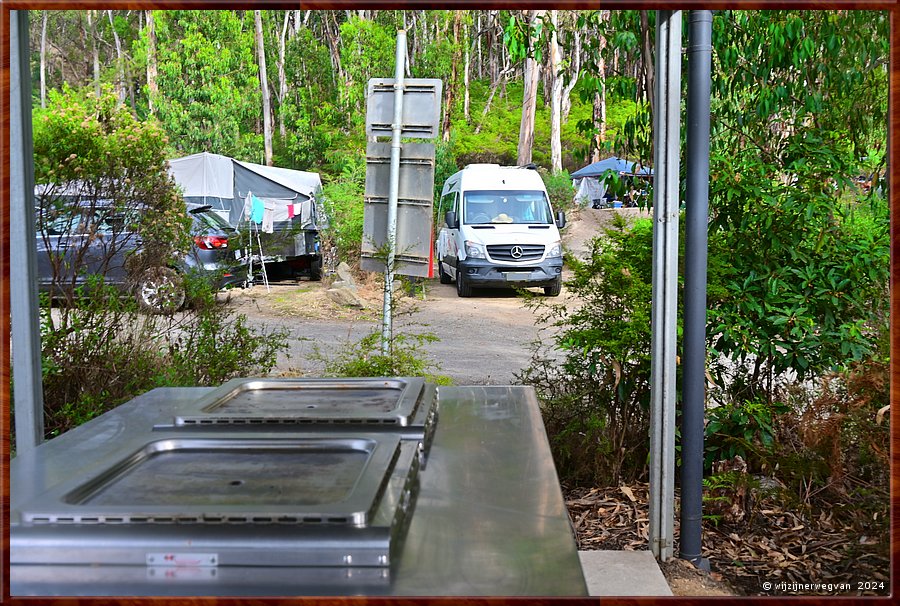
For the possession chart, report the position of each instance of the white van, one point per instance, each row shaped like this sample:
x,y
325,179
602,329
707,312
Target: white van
x,y
499,230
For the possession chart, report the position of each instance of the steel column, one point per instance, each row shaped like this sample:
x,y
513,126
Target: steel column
x,y
695,251
666,139
394,191
25,332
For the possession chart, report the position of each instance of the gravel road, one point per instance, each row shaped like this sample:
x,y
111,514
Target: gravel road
x,y
483,340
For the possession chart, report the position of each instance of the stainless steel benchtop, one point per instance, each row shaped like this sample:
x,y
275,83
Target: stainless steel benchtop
x,y
489,518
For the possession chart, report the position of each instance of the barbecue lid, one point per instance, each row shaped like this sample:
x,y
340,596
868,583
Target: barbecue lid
x,y
200,480
380,401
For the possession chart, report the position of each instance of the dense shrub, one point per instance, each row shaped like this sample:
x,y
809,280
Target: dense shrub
x,y
106,351
343,200
364,358
594,382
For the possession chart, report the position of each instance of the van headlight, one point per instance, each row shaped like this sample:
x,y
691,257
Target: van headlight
x,y
475,250
555,250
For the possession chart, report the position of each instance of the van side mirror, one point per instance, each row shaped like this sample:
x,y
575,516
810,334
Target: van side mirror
x,y
451,219
560,219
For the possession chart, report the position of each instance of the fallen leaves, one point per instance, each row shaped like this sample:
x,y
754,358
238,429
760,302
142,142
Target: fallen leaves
x,y
774,545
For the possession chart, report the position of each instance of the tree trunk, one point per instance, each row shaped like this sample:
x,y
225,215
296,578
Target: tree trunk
x,y
120,60
555,99
282,79
152,88
647,61
454,71
44,20
529,100
576,68
95,49
264,85
487,105
333,39
599,109
466,71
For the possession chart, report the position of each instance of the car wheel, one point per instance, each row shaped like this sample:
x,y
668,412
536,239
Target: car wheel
x,y
554,289
463,288
444,278
160,290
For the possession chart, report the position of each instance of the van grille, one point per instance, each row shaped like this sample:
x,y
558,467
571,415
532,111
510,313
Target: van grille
x,y
504,252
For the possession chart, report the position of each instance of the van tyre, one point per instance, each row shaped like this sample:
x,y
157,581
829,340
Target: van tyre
x,y
554,289
463,288
442,276
160,290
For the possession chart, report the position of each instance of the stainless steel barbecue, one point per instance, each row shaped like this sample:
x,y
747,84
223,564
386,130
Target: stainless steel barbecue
x,y
297,487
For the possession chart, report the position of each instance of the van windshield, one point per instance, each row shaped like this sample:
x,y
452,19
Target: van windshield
x,y
506,206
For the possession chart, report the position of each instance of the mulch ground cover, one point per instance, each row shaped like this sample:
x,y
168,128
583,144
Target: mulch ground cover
x,y
795,554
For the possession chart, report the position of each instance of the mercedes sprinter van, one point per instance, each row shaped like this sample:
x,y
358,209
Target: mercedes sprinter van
x,y
499,230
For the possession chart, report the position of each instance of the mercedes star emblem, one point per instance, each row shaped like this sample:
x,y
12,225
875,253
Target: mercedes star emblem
x,y
516,252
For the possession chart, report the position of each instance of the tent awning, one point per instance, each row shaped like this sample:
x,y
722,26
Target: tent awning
x,y
614,164
206,175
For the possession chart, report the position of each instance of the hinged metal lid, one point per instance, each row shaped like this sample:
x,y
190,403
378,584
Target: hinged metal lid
x,y
199,480
386,402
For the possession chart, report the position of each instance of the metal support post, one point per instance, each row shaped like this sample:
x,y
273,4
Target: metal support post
x,y
696,219
393,192
666,138
28,395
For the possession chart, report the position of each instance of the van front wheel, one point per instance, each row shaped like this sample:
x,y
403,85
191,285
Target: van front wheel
x,y
463,288
554,289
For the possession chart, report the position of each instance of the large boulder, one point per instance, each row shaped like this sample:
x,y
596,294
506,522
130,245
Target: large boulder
x,y
345,296
345,275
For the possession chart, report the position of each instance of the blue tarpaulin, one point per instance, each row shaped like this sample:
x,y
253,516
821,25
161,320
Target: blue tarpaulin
x,y
614,164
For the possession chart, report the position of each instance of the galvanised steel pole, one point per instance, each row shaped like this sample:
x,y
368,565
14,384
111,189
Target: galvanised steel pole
x,y
394,191
28,394
663,321
696,220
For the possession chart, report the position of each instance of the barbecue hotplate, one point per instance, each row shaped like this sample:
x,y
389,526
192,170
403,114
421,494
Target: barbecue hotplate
x,y
202,480
338,499
390,402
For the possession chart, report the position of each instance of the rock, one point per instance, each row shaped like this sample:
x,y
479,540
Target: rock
x,y
343,284
344,274
345,296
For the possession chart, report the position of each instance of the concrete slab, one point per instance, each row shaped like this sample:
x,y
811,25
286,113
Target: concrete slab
x,y
623,573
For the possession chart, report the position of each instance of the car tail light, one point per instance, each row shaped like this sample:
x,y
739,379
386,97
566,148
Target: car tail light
x,y
211,242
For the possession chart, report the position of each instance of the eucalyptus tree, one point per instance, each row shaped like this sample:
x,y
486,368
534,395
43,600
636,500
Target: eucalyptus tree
x,y
799,98
209,89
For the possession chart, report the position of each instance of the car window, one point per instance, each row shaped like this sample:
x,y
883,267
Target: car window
x,y
60,221
207,220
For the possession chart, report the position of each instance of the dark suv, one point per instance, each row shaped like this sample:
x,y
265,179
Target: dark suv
x,y
89,239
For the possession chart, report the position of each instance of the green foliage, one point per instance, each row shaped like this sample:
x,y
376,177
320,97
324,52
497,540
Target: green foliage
x,y
106,351
595,382
310,111
806,275
364,358
559,187
746,430
209,81
368,50
89,149
343,200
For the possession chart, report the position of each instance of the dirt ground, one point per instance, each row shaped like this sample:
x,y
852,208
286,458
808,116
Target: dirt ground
x,y
483,340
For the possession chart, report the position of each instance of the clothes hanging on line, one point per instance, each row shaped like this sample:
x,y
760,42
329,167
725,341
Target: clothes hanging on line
x,y
268,217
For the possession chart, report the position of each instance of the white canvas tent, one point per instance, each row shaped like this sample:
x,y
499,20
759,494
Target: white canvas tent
x,y
224,183
590,184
